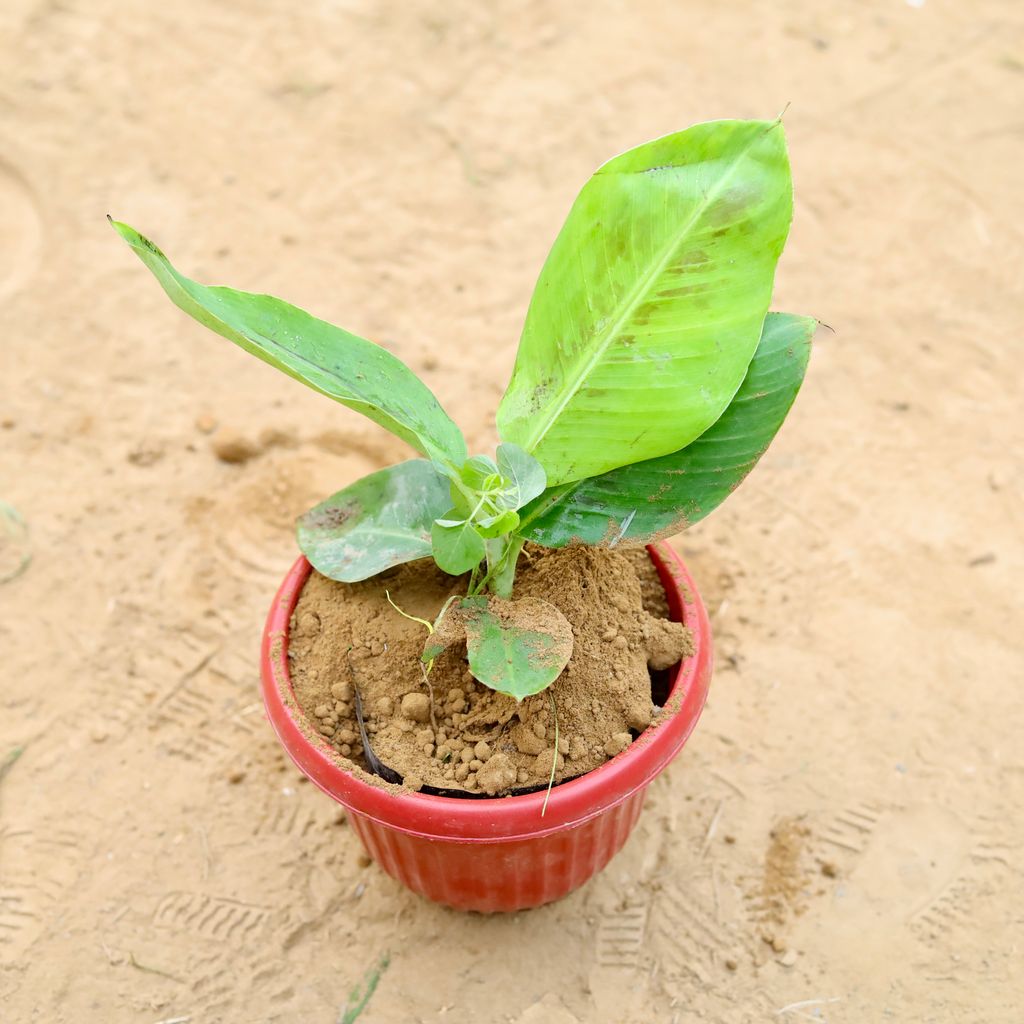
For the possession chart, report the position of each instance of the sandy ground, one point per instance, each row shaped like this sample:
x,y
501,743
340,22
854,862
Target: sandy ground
x,y
401,168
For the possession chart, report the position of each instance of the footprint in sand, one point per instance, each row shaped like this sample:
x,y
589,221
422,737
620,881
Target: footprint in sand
x,y
895,868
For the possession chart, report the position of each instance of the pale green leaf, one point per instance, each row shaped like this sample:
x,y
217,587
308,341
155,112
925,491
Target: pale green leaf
x,y
659,497
516,647
498,525
651,302
380,521
524,474
343,366
456,545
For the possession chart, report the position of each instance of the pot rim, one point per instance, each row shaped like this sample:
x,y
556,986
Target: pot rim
x,y
498,819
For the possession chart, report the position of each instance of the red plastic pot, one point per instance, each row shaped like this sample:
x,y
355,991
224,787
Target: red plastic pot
x,y
498,854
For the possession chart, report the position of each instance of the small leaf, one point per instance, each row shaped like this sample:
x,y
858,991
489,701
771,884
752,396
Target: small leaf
x,y
524,474
650,304
343,366
380,521
499,525
477,471
456,545
516,647
659,497
460,503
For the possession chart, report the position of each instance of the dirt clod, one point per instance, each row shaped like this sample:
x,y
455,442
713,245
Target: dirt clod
x,y
497,775
232,448
618,743
416,706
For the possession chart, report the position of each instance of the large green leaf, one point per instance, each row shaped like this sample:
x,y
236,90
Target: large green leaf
x,y
343,366
659,497
382,520
651,302
515,647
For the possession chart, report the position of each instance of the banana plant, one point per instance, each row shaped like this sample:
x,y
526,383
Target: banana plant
x,y
649,380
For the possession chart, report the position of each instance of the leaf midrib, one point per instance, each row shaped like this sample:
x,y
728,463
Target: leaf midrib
x,y
545,424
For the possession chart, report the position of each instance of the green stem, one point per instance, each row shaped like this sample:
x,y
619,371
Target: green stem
x,y
554,759
501,565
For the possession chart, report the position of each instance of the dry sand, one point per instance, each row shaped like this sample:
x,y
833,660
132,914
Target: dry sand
x,y
854,792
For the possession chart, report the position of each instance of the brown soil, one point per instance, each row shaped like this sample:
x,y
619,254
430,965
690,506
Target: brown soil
x,y
447,730
783,879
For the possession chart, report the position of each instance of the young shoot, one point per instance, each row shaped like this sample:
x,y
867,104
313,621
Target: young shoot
x,y
650,378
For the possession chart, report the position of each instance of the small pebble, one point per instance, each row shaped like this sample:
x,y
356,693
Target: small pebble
x,y
482,751
413,782
385,707
236,776
466,755
788,959
322,710
475,765
343,691
327,730
461,772
347,736
205,423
